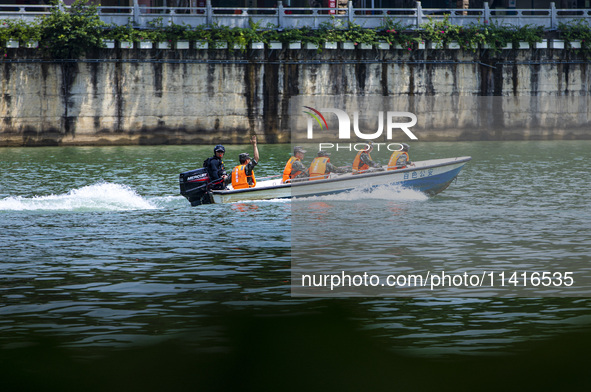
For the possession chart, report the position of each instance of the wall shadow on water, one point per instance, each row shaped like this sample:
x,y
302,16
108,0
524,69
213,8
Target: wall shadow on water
x,y
323,351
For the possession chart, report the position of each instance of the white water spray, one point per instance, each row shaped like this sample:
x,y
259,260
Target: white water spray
x,y
96,197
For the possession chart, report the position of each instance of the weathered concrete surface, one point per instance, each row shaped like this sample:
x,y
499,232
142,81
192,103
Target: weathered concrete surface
x,y
195,96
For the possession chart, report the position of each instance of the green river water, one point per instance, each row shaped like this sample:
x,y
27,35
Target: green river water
x,y
99,254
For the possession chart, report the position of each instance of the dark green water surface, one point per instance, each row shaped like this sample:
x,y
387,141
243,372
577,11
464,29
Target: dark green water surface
x,y
98,250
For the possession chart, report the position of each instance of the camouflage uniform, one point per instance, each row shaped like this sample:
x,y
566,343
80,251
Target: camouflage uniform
x,y
364,157
330,168
297,166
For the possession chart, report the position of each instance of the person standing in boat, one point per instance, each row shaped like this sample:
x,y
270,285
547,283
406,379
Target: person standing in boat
x,y
295,169
215,168
399,158
321,167
363,162
243,174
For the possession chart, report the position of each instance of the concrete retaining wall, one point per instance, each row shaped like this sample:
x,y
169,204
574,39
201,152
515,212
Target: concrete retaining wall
x,y
199,96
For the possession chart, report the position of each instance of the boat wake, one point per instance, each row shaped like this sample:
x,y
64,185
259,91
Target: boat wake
x,y
96,197
383,192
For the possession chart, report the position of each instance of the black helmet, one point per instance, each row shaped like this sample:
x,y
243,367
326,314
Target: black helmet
x,y
243,157
405,147
323,153
219,147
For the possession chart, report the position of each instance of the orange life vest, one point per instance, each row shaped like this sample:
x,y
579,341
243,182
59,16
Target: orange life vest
x,y
360,169
240,179
318,168
287,175
393,162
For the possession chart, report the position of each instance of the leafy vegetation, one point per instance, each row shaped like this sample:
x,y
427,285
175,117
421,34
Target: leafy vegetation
x,y
440,32
19,30
395,33
578,30
528,33
68,33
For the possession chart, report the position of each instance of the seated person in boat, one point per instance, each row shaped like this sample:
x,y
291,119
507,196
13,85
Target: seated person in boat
x,y
399,159
215,168
243,174
363,162
295,169
321,167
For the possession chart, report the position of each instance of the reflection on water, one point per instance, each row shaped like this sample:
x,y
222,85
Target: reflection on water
x,y
97,249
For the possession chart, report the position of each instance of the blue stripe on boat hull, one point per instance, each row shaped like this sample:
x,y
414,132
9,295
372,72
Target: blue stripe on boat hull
x,y
432,185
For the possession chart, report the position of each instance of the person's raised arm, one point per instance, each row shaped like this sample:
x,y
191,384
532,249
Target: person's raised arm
x,y
253,141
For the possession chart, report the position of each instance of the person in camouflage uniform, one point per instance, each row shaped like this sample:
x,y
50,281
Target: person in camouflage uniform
x,y
295,169
321,167
363,161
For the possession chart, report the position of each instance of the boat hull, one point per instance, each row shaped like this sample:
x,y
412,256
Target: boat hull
x,y
429,177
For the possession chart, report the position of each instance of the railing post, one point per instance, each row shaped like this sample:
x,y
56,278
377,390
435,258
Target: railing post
x,y
280,14
486,13
419,14
136,14
208,13
553,16
350,12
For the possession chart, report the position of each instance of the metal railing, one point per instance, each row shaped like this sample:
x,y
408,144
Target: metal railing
x,y
286,17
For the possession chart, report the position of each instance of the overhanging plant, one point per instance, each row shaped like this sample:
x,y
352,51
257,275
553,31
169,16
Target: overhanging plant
x,y
254,32
199,33
155,35
310,36
292,35
332,31
158,34
144,36
496,36
5,35
472,36
395,33
360,35
271,35
327,34
240,37
528,33
5,32
175,32
576,30
70,32
123,33
221,33
23,31
440,32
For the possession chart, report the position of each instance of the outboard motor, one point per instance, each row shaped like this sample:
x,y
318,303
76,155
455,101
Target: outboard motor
x,y
194,186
